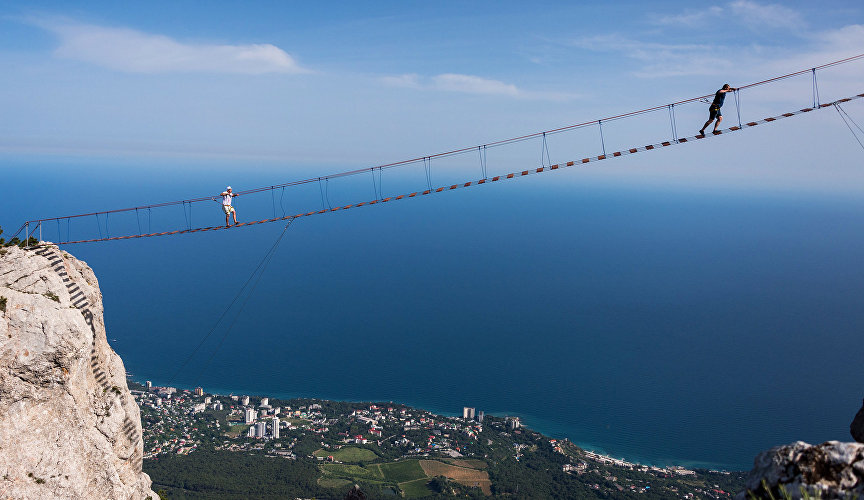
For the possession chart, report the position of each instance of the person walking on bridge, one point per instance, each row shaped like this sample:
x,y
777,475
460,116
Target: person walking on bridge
x,y
714,109
227,196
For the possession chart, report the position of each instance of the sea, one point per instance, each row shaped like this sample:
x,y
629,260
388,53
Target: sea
x,y
662,325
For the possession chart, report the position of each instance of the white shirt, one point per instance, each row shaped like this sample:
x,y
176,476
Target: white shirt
x,y
226,198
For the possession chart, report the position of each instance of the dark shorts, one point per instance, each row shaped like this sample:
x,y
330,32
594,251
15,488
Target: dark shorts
x,y
714,112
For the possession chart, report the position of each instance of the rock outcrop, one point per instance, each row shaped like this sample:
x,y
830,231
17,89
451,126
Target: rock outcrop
x,y
856,428
69,427
831,470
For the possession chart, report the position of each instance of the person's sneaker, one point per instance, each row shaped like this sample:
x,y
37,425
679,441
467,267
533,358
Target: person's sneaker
x,y
702,132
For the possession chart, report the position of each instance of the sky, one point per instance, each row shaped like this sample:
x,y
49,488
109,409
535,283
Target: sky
x,y
146,102
288,84
290,90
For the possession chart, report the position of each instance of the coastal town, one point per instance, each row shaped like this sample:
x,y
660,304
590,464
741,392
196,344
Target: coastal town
x,y
392,449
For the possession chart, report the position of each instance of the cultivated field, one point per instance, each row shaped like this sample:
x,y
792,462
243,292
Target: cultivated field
x,y
416,488
462,475
352,472
334,482
469,463
348,454
400,472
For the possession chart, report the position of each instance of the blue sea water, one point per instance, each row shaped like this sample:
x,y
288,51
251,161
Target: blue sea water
x,y
658,325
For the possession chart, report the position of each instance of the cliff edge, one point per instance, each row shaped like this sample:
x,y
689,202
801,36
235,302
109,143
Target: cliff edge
x,y
69,427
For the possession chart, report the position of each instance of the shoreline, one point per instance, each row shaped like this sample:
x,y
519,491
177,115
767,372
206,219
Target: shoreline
x,y
525,418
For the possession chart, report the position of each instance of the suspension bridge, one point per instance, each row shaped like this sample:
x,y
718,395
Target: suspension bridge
x,y
137,222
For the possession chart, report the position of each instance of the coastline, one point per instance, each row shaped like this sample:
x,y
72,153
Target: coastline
x,y
529,421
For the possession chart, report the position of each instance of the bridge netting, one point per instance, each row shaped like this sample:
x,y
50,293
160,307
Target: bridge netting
x,y
657,127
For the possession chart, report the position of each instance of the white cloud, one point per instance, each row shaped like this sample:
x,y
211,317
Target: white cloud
x,y
758,16
451,82
473,85
470,84
133,51
662,59
691,19
847,36
408,81
753,15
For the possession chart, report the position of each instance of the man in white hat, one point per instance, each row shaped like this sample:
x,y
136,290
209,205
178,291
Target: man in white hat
x,y
227,196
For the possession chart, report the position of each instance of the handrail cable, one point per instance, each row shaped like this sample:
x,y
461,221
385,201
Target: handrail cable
x,y
512,175
460,150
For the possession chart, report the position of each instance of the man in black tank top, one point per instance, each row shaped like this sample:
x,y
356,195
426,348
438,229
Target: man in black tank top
x,y
714,109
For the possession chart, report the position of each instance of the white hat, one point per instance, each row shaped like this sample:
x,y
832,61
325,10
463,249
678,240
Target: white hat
x,y
229,187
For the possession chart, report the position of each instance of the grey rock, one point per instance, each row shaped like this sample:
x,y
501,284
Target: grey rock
x,y
832,470
69,427
856,428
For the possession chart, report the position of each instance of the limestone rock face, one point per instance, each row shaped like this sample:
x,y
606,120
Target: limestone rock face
x,y
832,470
856,428
69,427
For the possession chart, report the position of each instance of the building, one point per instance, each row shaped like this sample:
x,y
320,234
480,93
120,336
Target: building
x,y
148,384
274,422
199,391
468,413
207,400
480,416
244,401
251,432
265,401
251,415
277,410
513,422
261,429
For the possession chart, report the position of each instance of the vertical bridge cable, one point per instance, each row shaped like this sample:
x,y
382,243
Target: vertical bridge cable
x,y
327,192
672,122
374,183
544,152
427,166
482,153
321,190
737,107
137,220
99,225
273,199
602,142
815,90
381,182
185,217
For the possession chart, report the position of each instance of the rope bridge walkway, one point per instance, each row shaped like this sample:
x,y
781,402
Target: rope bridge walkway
x,y
35,227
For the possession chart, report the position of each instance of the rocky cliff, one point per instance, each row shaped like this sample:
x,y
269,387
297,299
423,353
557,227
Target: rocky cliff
x,y
69,427
831,470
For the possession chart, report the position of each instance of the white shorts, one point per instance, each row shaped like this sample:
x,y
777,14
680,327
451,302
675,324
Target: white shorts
x,y
228,209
